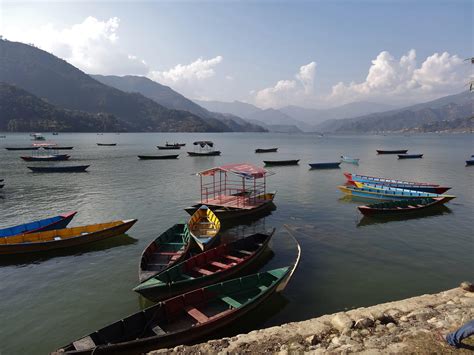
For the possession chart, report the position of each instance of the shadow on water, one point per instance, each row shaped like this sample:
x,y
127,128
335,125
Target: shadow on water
x,y
432,212
29,258
247,220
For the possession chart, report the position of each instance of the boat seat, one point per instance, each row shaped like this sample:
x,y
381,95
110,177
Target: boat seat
x,y
420,206
171,253
85,343
158,330
175,257
410,206
202,271
196,314
234,258
220,265
245,252
231,302
262,288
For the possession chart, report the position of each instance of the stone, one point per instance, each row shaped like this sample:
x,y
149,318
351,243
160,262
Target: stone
x,y
313,339
342,322
423,314
364,323
467,301
364,332
467,286
394,313
403,319
391,325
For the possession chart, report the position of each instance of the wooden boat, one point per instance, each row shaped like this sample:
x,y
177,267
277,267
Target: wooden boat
x,y
400,151
410,156
215,265
175,144
204,154
280,162
107,144
346,159
204,226
381,192
163,252
469,162
59,147
21,148
53,157
62,238
157,157
59,169
204,149
184,318
168,147
332,165
266,150
422,188
401,206
42,225
383,181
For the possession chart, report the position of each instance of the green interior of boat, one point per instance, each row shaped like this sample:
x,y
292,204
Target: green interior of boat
x,y
417,202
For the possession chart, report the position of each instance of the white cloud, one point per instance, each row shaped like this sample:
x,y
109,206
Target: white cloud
x,y
92,46
393,80
286,92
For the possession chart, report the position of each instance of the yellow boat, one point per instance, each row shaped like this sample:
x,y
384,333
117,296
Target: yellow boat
x,y
204,226
63,238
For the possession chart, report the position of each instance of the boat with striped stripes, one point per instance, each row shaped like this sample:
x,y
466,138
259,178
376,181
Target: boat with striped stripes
x,y
384,181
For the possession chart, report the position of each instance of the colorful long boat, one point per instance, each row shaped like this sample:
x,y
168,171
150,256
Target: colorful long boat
x,y
42,225
216,264
383,181
165,251
184,318
381,192
62,238
422,188
402,206
204,227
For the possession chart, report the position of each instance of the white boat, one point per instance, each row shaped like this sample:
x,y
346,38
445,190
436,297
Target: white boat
x,y
346,159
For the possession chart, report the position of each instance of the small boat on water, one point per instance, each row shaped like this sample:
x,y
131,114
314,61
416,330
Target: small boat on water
x,y
400,151
165,251
168,147
401,206
175,144
204,227
184,318
63,238
55,133
266,150
469,162
383,181
346,159
204,149
215,265
422,188
157,157
280,162
58,147
53,157
21,148
37,137
331,165
59,169
106,144
51,223
410,156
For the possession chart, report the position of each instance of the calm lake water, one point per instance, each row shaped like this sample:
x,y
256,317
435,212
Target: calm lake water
x,y
347,261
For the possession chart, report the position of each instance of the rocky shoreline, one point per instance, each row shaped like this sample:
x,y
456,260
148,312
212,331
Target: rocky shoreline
x,y
415,326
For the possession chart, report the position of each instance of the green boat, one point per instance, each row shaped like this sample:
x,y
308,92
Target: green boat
x,y
166,250
216,264
185,318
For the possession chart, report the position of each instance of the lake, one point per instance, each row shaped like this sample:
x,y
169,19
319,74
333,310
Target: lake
x,y
346,261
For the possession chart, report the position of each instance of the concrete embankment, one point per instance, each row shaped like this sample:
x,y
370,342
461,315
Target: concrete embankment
x,y
411,326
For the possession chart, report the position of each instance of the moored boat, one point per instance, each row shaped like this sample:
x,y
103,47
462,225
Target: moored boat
x,y
469,162
266,150
21,148
402,206
281,162
346,159
166,250
330,165
106,144
158,157
422,188
51,223
59,147
399,151
204,149
59,169
205,154
168,147
211,266
175,144
62,238
52,157
410,156
383,181
204,227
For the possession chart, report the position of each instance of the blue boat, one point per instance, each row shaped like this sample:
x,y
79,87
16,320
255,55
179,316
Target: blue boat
x,y
47,224
332,165
346,159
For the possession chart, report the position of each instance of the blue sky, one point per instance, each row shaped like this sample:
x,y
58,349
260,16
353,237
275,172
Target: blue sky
x,y
247,48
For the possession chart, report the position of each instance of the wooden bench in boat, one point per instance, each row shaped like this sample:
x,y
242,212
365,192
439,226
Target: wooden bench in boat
x,y
196,314
231,302
158,330
221,265
203,271
233,258
245,252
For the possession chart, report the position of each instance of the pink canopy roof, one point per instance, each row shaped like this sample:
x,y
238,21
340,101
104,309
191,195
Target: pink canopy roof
x,y
242,169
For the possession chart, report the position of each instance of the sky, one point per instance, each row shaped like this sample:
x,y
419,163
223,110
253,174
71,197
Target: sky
x,y
268,53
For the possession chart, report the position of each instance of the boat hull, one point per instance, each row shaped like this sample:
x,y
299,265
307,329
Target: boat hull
x,y
204,154
281,162
158,157
58,169
106,144
168,147
380,194
22,148
269,150
383,181
334,165
59,148
57,157
470,162
410,156
400,151
393,208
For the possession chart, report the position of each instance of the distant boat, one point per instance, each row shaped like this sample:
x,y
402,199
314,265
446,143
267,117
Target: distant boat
x,y
410,156
204,154
401,206
266,150
21,148
59,169
3,136
350,160
384,181
331,165
281,162
168,147
204,149
469,162
107,144
204,227
42,225
55,133
175,144
157,157
38,137
400,151
63,238
54,157
58,147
